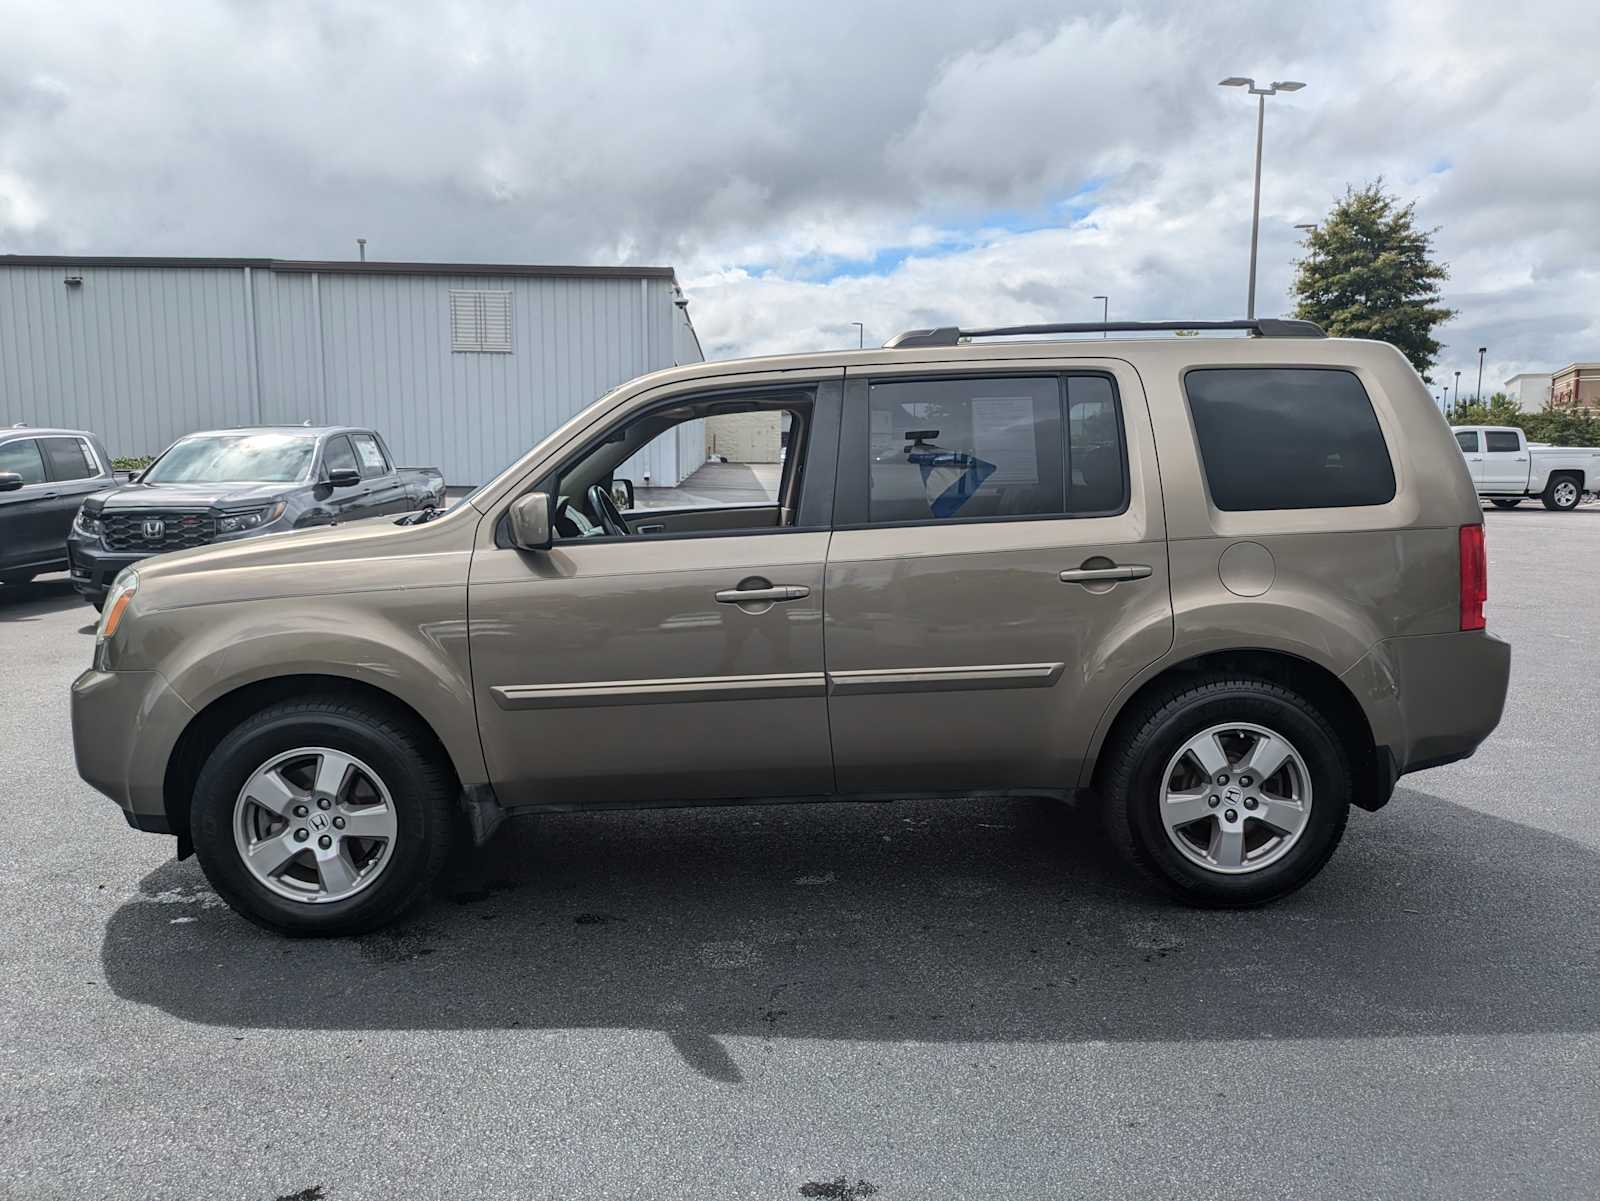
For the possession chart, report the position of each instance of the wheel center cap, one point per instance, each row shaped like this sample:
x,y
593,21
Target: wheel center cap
x,y
1232,795
319,821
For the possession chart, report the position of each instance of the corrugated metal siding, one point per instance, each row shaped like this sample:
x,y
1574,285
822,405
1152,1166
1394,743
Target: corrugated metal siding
x,y
144,355
136,356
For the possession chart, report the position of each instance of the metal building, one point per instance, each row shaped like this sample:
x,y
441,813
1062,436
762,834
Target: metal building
x,y
461,365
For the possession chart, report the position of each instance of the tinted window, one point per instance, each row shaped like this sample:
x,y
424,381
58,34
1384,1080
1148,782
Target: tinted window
x,y
960,448
1468,440
1288,438
371,455
234,459
67,460
22,457
338,456
1095,462
1501,443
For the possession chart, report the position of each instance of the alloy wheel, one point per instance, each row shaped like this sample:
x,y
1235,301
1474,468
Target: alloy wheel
x,y
1235,798
315,825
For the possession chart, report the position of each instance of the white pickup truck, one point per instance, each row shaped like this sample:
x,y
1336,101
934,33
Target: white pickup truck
x,y
1505,469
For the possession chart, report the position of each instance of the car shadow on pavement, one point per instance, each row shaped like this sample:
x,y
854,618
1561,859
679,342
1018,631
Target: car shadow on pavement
x,y
993,921
36,599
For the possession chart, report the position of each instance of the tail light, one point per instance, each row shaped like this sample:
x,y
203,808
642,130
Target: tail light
x,y
1474,577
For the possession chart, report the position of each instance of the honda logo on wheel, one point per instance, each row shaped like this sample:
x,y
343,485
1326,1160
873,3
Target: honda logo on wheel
x,y
154,527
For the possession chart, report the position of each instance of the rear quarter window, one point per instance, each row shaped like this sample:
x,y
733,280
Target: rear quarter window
x,y
1288,438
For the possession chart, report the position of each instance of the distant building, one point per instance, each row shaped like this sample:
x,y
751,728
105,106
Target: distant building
x,y
1576,387
463,366
1530,389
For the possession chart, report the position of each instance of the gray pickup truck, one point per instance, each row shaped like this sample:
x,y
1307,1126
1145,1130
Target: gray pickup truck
x,y
224,485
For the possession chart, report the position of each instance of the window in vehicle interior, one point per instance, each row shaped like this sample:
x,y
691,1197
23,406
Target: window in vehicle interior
x,y
67,459
1499,442
1288,438
1469,441
957,449
657,475
21,457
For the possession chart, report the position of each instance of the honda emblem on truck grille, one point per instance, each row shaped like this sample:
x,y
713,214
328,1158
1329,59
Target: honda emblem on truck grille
x,y
154,528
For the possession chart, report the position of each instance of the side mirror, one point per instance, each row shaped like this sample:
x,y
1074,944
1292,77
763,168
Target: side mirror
x,y
10,481
529,519
344,477
622,493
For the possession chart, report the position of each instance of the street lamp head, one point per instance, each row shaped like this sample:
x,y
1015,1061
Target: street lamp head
x,y
1483,349
1287,85
1237,81
1100,298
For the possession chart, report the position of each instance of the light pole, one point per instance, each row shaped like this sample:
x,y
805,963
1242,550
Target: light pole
x,y
1479,394
1105,312
361,243
861,334
1261,94
1458,389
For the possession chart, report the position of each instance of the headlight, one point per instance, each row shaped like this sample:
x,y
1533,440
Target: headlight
x,y
238,523
118,599
87,523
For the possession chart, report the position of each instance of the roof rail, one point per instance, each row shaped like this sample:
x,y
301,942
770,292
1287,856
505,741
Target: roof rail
x,y
1264,327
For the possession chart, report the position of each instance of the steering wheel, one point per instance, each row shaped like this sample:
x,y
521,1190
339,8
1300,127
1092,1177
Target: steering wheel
x,y
604,508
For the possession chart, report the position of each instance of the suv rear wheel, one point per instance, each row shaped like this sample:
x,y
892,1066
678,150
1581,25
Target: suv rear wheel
x,y
1229,791
322,817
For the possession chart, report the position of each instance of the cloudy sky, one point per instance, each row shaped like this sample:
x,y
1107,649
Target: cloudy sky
x,y
804,166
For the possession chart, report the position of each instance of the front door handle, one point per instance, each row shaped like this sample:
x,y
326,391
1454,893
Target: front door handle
x,y
1105,575
750,596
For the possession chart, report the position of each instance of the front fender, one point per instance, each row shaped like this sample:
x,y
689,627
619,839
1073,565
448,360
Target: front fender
x,y
410,643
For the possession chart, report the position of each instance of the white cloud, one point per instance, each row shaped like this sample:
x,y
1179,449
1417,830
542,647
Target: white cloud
x,y
809,166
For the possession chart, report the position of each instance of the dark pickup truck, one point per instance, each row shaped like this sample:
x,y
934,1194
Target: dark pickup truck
x,y
224,485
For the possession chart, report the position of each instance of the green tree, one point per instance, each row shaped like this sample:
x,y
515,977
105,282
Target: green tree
x,y
1369,273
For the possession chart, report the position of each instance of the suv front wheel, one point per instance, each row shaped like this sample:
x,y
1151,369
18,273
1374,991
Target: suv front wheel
x,y
322,817
1229,792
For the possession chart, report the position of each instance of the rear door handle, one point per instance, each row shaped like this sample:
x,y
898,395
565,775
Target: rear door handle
x,y
1104,575
746,596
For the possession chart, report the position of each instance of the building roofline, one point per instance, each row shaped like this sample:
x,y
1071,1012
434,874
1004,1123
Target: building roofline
x,y
341,267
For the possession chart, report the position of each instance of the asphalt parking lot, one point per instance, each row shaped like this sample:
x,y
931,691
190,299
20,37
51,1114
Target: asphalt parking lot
x,y
907,1001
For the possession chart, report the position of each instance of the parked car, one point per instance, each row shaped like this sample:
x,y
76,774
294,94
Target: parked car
x,y
977,578
44,476
1506,469
225,485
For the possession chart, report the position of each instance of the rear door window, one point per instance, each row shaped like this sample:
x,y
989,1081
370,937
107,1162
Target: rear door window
x,y
1500,442
959,449
1468,440
371,455
67,459
21,456
1288,438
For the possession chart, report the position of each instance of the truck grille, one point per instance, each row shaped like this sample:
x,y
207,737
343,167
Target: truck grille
x,y
156,531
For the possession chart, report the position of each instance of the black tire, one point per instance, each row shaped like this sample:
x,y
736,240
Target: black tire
x,y
420,783
1132,787
1505,503
1574,495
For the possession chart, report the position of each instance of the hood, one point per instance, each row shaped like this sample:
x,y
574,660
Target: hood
x,y
355,556
192,496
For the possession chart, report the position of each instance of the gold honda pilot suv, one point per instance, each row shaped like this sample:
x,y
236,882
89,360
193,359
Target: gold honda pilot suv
x,y
1222,587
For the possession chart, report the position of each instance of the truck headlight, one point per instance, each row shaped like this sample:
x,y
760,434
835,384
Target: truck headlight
x,y
87,523
238,523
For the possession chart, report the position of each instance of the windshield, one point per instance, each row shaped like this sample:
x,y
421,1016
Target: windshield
x,y
235,459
